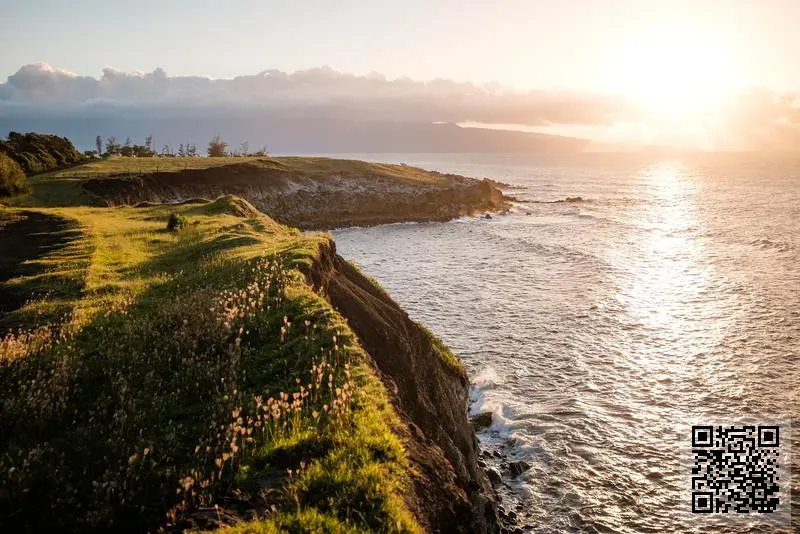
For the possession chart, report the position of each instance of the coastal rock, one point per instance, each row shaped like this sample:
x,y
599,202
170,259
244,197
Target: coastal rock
x,y
482,420
494,476
517,468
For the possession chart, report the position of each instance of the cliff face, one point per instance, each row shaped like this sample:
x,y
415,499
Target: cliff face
x,y
335,199
451,492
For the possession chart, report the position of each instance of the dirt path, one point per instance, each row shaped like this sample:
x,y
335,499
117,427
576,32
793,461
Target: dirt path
x,y
26,236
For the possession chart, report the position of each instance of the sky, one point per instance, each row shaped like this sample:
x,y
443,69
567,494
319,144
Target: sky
x,y
666,62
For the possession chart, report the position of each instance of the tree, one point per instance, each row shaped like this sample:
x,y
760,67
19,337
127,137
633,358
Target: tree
x,y
148,143
191,150
261,152
217,148
127,148
181,151
245,149
166,151
99,144
112,147
12,177
142,151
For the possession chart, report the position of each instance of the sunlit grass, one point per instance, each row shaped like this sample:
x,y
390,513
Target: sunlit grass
x,y
182,368
317,167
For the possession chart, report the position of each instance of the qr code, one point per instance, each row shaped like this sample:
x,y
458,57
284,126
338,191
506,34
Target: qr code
x,y
735,469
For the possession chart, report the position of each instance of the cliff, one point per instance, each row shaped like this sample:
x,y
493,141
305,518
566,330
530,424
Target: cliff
x,y
312,192
235,374
428,387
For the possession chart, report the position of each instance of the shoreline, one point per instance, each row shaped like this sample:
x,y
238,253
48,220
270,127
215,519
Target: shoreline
x,y
426,384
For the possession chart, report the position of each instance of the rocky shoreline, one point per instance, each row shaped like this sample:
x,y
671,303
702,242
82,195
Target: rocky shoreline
x,y
313,202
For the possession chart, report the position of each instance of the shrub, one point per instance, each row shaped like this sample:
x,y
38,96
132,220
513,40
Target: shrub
x,y
12,177
40,152
176,222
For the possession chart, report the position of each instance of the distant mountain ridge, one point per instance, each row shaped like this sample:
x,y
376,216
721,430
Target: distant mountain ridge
x,y
287,133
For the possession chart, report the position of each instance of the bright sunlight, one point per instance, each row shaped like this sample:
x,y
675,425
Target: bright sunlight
x,y
674,73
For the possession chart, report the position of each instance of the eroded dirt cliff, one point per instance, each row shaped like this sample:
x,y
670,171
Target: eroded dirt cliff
x,y
320,199
451,492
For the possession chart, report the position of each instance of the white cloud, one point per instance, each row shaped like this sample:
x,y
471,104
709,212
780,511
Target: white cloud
x,y
323,90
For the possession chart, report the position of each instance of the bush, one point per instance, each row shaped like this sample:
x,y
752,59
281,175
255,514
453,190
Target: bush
x,y
176,222
12,177
40,152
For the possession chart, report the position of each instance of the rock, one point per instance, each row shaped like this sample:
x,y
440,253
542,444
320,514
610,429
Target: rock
x,y
482,420
494,476
519,467
512,515
487,216
481,463
473,485
574,199
517,530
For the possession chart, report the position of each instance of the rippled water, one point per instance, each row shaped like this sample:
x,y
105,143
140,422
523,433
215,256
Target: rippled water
x,y
595,330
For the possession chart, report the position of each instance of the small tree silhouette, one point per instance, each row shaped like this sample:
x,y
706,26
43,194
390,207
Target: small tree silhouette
x,y
217,148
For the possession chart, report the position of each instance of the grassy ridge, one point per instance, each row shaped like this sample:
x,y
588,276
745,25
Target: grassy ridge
x,y
188,370
314,167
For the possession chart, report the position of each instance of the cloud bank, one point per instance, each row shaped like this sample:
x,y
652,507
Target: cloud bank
x,y
319,90
756,118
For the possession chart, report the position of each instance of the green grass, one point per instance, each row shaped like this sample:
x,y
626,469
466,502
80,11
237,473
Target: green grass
x,y
181,370
316,167
120,165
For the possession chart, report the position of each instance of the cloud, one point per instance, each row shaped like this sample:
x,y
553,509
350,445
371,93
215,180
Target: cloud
x,y
755,118
321,90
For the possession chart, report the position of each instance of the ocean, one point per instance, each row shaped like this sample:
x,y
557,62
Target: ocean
x,y
664,294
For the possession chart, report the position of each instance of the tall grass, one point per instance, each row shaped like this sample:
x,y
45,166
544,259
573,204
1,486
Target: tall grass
x,y
227,383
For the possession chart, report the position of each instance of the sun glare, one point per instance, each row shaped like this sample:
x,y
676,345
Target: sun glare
x,y
674,73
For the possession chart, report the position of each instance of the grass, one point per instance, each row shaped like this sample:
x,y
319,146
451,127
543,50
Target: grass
x,y
178,371
317,167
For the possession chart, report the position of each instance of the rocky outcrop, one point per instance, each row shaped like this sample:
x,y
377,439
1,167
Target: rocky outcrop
x,y
335,199
451,491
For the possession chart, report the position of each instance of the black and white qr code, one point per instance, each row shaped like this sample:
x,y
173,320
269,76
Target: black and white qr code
x,y
735,469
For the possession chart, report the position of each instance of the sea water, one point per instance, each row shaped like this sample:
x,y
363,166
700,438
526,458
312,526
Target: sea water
x,y
666,290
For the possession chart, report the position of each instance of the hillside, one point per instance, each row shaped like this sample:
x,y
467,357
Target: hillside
x,y
236,372
309,193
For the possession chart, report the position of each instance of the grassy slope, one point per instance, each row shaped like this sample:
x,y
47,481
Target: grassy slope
x,y
63,187
191,369
319,167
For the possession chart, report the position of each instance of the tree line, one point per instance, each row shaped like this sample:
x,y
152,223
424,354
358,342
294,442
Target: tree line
x,y
217,148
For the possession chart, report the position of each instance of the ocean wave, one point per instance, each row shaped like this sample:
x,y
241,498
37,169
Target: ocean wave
x,y
771,244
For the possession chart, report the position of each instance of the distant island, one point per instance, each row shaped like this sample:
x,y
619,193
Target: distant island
x,y
285,133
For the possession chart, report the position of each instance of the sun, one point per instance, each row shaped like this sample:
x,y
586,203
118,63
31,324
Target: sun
x,y
674,73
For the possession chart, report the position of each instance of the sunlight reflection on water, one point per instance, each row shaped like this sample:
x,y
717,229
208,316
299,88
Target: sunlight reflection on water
x,y
592,330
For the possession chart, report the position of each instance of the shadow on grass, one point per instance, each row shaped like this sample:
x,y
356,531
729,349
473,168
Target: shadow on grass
x,y
25,243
